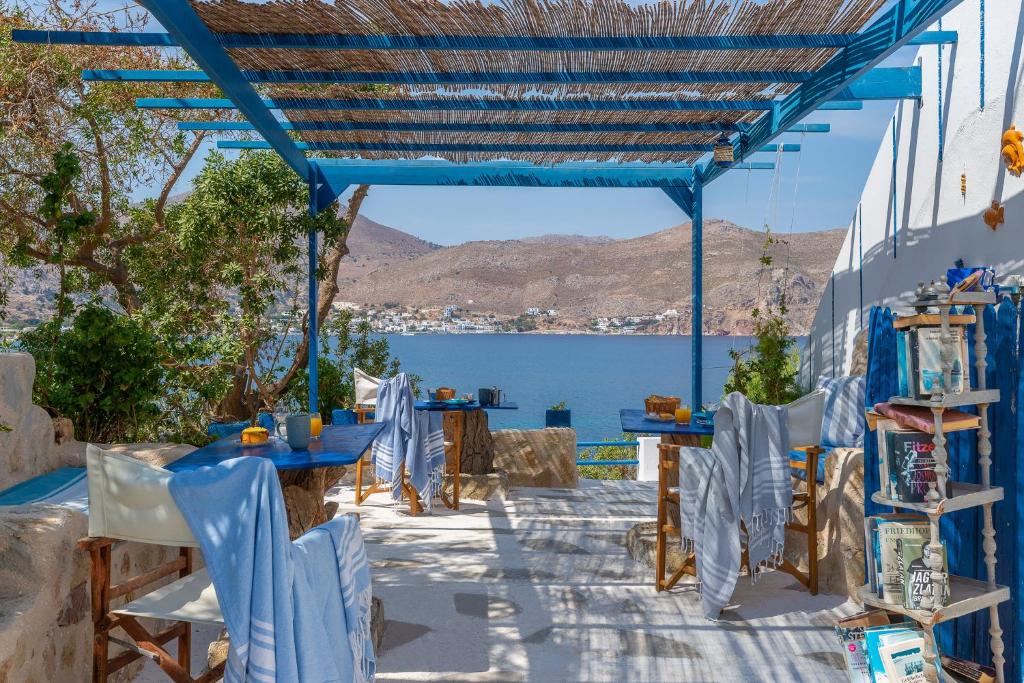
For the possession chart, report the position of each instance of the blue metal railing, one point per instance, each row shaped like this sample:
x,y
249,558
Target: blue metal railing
x,y
607,444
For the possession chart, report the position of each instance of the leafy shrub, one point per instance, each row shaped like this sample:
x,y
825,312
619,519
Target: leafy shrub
x,y
341,350
767,372
103,373
610,472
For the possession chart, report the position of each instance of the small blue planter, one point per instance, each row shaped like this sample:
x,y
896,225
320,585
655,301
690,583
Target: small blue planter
x,y
558,418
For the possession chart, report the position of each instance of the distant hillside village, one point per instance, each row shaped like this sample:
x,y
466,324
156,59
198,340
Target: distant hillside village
x,y
397,319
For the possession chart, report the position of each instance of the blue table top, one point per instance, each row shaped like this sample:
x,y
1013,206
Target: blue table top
x,y
635,421
424,405
338,445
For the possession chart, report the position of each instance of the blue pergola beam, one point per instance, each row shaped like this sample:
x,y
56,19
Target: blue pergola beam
x,y
884,84
672,43
448,104
496,148
894,29
181,21
428,127
456,77
502,173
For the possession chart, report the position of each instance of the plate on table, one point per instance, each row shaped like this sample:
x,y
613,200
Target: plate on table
x,y
655,417
458,402
238,442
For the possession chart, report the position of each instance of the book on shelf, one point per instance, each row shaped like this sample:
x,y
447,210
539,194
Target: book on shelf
x,y
922,419
920,371
966,671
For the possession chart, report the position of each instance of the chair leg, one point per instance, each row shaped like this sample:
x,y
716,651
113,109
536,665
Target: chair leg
x,y
812,519
659,543
185,639
359,481
100,597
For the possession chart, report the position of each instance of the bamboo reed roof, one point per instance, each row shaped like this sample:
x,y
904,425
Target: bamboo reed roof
x,y
529,18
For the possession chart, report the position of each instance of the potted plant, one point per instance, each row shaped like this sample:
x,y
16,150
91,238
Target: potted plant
x,y
558,416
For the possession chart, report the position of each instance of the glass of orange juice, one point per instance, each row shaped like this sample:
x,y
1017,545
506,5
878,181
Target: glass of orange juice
x,y
683,414
316,425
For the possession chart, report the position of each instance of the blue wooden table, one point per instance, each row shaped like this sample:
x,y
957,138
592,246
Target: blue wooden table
x,y
445,407
685,434
338,446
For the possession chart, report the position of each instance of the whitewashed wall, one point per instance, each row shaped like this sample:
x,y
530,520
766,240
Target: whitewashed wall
x,y
936,224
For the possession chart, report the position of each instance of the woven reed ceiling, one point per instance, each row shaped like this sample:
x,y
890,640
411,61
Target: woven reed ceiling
x,y
532,18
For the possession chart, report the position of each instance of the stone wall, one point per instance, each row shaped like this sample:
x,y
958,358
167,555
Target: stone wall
x,y
45,611
30,448
537,457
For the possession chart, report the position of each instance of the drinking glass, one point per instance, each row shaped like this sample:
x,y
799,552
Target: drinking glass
x,y
316,425
683,414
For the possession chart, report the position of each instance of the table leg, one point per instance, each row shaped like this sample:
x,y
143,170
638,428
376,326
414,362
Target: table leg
x,y
455,420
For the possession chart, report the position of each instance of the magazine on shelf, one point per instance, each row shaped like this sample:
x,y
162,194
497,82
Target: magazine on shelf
x,y
927,376
904,661
911,464
891,540
896,653
850,632
917,575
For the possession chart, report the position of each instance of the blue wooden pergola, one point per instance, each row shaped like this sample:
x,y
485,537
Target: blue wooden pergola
x,y
553,140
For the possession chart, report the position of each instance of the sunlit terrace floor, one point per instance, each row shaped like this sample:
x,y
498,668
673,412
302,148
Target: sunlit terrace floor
x,y
541,588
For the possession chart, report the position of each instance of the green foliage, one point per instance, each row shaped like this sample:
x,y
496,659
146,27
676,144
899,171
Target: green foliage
x,y
342,350
561,405
767,373
610,472
103,373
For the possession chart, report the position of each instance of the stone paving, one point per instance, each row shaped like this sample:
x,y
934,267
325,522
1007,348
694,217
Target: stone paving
x,y
540,588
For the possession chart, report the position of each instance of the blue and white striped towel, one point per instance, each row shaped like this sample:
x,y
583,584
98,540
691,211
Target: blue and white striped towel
x,y
289,609
65,487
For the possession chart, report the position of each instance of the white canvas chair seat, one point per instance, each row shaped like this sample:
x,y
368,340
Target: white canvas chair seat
x,y
192,599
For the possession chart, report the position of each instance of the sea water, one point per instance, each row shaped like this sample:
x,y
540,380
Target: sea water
x,y
595,375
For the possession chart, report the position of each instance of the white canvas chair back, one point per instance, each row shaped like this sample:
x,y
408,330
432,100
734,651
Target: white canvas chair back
x,y
805,416
366,388
129,500
804,420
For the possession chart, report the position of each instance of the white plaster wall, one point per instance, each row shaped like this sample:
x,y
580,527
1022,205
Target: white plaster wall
x,y
935,223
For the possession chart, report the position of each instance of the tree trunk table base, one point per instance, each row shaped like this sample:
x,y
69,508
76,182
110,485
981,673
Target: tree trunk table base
x,y
304,492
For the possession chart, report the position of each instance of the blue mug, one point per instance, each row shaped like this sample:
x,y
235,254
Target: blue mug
x,y
298,431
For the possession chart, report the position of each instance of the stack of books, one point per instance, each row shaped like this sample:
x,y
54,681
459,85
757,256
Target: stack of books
x,y
881,647
919,356
897,549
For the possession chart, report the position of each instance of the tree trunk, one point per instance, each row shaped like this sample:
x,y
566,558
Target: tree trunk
x,y
477,446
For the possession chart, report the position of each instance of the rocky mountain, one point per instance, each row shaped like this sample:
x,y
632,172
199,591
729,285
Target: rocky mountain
x,y
581,277
584,279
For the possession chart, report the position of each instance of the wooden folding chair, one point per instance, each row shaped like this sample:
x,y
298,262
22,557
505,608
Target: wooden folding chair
x,y
805,417
129,501
455,421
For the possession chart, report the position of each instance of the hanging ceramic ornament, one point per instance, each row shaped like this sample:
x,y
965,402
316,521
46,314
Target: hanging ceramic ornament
x,y
994,216
1013,151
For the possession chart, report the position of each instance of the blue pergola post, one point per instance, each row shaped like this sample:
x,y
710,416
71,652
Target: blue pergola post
x,y
697,291
311,317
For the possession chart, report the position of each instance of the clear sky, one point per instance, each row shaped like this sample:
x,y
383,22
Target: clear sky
x,y
818,189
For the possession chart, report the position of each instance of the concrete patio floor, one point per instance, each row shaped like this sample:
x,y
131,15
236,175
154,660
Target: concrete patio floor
x,y
541,588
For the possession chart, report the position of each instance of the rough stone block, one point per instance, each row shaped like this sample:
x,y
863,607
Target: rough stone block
x,y
494,486
537,457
